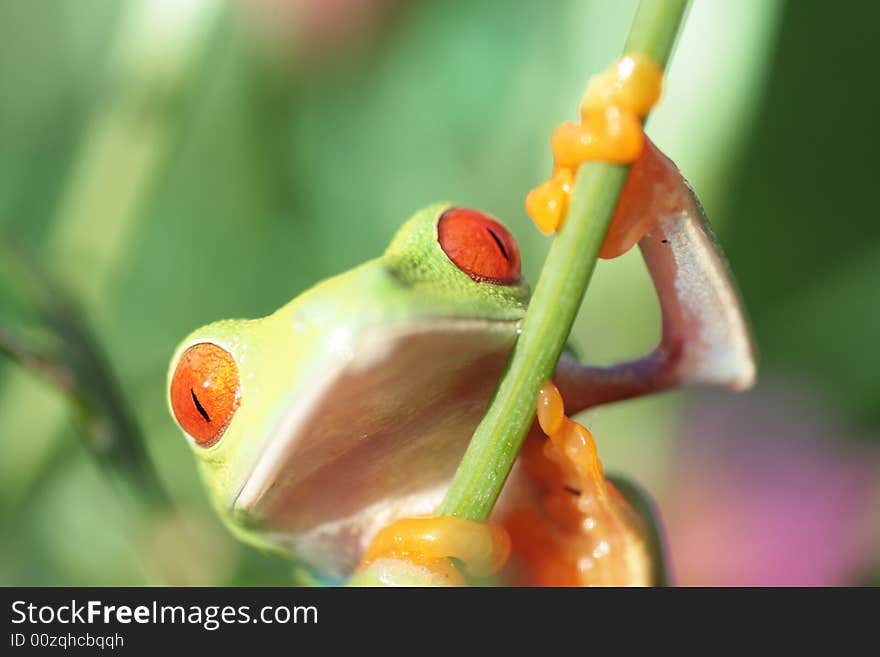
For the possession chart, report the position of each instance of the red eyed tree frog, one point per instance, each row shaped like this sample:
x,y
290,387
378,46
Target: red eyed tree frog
x,y
351,406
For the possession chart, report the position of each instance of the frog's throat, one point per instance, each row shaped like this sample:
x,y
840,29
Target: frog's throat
x,y
377,433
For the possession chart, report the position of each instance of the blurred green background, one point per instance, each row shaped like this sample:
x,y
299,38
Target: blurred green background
x,y
173,162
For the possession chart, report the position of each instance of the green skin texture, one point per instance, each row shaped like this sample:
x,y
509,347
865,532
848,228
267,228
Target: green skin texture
x,y
279,356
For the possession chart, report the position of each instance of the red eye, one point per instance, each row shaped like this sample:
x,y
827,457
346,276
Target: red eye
x,y
204,392
479,246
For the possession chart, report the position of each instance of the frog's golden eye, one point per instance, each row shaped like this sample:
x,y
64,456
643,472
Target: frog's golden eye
x,y
480,246
205,392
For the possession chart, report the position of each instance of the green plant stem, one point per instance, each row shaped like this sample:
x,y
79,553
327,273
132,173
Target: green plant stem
x,y
556,300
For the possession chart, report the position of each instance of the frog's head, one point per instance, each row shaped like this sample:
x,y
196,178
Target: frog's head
x,y
352,404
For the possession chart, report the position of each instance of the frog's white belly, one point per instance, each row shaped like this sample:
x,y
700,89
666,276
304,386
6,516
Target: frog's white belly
x,y
379,438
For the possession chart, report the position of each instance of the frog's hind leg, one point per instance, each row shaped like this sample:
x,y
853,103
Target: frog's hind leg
x,y
705,335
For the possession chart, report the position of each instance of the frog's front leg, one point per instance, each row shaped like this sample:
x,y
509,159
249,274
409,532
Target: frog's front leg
x,y
705,336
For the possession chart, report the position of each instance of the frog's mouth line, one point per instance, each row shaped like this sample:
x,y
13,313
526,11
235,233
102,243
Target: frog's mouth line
x,y
388,421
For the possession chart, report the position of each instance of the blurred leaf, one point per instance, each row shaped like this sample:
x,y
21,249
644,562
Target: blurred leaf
x,y
802,209
42,330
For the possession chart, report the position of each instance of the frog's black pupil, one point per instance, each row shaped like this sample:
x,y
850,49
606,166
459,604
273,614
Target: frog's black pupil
x,y
199,407
499,243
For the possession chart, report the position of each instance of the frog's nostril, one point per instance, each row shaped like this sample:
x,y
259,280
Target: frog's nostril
x,y
205,392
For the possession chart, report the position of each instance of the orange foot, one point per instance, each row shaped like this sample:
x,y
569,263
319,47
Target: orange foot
x,y
431,543
583,532
610,130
